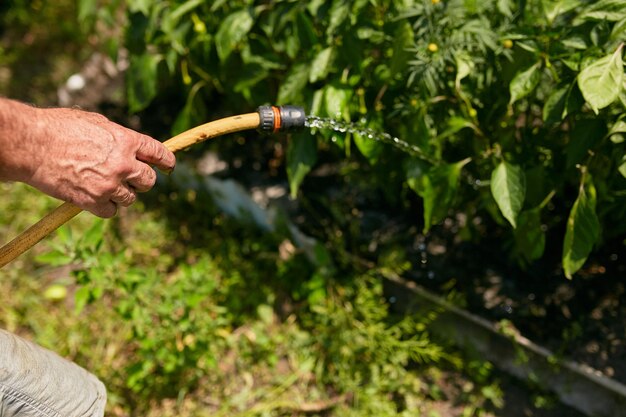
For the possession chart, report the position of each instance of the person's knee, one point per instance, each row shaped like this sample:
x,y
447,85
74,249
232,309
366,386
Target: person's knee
x,y
35,382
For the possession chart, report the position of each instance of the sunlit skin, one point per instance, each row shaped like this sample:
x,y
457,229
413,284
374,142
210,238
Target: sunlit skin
x,y
78,156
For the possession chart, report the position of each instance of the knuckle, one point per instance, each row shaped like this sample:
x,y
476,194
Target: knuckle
x,y
151,177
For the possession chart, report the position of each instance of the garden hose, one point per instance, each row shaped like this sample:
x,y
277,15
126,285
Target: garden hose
x,y
266,119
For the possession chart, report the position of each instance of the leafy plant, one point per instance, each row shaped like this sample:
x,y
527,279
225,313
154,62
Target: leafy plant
x,y
434,73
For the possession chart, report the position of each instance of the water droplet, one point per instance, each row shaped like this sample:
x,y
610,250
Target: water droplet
x,y
316,122
430,275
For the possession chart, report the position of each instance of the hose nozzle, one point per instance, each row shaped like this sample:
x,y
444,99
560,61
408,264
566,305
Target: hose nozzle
x,y
280,119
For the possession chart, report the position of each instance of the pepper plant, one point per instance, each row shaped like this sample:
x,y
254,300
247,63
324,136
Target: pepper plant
x,y
517,105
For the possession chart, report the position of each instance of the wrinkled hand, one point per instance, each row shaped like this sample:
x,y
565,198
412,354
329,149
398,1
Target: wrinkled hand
x,y
84,158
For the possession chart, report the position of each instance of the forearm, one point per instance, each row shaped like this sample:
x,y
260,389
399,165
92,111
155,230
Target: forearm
x,y
18,125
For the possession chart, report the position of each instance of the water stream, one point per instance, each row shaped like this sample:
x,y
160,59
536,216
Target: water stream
x,y
316,122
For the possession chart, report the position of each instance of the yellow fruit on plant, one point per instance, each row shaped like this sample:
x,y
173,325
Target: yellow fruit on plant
x,y
55,292
435,1
432,47
507,43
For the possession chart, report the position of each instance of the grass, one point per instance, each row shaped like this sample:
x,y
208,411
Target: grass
x,y
183,311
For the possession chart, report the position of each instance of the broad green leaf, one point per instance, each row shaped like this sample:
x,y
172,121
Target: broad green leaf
x,y
575,41
232,31
301,156
369,147
437,187
506,7
583,229
525,82
601,82
455,125
464,67
181,10
508,187
255,73
339,12
562,103
141,6
82,297
305,31
55,258
142,80
530,239
321,65
603,10
93,237
403,40
87,9
336,100
192,114
617,130
290,90
619,30
552,9
554,107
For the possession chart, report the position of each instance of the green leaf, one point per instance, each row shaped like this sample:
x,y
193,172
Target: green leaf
x,y
553,8
506,7
339,12
93,237
305,31
301,156
508,187
403,40
82,297
583,228
601,82
437,187
54,258
141,6
530,239
370,147
290,91
554,107
87,10
321,64
525,82
464,67
232,31
603,10
336,100
455,125
181,10
142,80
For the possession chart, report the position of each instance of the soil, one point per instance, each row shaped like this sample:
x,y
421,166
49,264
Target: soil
x,y
579,319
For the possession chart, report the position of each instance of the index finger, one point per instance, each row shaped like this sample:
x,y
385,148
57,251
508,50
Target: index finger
x,y
153,152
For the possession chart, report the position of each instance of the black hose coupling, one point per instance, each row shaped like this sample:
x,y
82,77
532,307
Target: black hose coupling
x,y
281,119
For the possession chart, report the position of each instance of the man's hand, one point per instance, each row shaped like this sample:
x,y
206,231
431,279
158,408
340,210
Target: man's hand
x,y
78,156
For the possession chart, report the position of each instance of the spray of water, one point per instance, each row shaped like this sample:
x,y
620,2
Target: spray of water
x,y
316,122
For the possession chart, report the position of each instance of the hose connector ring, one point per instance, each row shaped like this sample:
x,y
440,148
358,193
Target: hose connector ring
x,y
280,119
